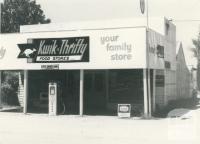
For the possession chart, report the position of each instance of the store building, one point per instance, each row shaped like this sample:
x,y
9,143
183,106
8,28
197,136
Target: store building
x,y
97,65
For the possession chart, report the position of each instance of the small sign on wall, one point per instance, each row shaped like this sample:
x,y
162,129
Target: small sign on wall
x,y
124,110
50,67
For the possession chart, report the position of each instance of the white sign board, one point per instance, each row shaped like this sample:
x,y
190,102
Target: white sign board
x,y
88,49
124,110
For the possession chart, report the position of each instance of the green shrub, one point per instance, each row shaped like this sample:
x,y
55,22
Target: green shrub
x,y
9,88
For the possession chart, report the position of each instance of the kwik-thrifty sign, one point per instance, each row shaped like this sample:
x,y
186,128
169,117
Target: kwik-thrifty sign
x,y
73,49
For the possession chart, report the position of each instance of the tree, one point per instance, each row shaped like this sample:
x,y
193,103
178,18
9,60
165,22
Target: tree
x,y
13,14
21,12
10,88
196,51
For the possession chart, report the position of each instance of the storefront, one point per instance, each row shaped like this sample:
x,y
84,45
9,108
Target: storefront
x,y
95,69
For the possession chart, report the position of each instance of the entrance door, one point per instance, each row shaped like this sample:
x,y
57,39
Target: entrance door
x,y
94,92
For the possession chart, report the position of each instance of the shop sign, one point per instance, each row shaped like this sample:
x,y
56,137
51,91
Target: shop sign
x,y
50,67
156,45
157,50
121,48
72,49
124,110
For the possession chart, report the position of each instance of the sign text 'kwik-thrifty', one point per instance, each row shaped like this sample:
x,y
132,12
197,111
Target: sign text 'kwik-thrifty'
x,y
56,50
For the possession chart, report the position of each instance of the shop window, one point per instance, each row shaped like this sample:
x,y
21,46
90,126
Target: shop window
x,y
125,86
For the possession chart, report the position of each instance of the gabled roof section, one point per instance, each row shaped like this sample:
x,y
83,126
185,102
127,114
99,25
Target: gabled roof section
x,y
180,52
178,45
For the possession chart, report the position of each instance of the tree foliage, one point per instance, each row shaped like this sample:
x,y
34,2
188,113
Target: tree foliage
x,y
16,13
9,88
21,12
196,51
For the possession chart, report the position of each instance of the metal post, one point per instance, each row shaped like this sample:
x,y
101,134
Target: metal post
x,y
149,91
107,87
145,93
25,90
148,65
81,92
154,90
148,73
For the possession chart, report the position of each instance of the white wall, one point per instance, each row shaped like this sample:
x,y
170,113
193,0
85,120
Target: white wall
x,y
100,57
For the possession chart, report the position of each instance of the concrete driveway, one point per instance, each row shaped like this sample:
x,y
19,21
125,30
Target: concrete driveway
x,y
16,128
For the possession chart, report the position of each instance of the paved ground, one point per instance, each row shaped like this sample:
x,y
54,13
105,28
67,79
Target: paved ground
x,y
42,129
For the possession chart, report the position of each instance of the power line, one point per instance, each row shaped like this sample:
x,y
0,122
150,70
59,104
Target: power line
x,y
185,20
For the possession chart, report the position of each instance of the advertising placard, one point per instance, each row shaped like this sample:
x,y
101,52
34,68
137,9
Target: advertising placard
x,y
50,50
124,110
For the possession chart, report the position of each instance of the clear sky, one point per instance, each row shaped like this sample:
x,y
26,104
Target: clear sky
x,y
78,10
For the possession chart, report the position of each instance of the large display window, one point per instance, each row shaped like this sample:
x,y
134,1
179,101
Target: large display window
x,y
125,86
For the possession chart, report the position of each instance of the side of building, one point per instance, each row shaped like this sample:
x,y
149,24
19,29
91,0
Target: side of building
x,y
183,75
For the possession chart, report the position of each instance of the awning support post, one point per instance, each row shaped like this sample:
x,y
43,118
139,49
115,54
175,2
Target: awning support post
x,y
25,90
145,92
154,90
81,92
149,92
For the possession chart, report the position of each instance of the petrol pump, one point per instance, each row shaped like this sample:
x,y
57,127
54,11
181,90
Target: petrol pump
x,y
56,104
53,98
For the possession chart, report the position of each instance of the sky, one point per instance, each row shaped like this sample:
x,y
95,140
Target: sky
x,y
81,10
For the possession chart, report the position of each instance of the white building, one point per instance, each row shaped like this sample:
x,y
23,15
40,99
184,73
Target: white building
x,y
97,64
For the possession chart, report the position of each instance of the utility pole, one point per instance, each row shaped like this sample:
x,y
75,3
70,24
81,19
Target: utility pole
x,y
146,71
148,64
